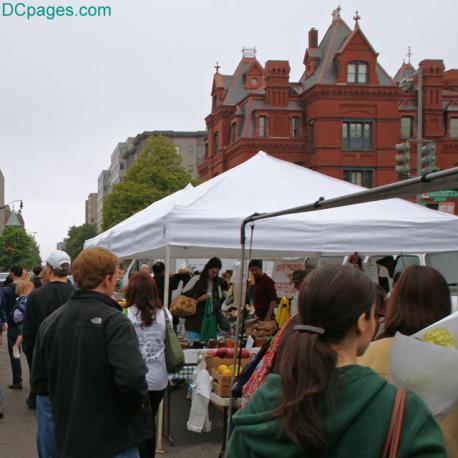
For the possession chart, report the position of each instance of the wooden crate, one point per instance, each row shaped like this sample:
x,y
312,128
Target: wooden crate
x,y
224,380
215,362
222,390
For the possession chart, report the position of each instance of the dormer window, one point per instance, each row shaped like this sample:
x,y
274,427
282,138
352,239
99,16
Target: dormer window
x,y
357,72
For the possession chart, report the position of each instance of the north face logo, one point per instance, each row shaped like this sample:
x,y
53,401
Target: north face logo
x,y
96,320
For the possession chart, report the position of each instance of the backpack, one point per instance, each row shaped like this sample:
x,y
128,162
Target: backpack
x,y
17,314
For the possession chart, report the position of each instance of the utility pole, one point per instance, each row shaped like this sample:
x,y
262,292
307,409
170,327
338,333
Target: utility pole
x,y
419,123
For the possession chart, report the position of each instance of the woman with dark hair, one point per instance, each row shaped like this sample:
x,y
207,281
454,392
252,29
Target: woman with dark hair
x,y
149,320
323,404
420,298
206,289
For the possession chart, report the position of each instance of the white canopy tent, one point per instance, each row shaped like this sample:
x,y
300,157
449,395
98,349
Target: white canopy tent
x,y
205,221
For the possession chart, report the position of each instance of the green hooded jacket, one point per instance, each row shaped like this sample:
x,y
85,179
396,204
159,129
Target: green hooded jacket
x,y
356,426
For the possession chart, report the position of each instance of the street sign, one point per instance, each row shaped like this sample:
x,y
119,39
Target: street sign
x,y
443,194
439,199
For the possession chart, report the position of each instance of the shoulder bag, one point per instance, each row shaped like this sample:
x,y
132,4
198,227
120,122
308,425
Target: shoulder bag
x,y
174,355
184,306
393,436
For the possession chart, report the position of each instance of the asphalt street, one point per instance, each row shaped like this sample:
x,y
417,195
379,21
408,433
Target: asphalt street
x,y
17,428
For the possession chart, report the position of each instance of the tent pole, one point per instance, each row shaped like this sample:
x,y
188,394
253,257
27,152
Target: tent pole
x,y
240,306
168,260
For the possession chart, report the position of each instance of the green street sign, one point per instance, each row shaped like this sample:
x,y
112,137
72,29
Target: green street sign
x,y
439,199
443,194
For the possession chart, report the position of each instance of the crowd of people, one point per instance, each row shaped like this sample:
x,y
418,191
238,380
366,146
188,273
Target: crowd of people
x,y
320,387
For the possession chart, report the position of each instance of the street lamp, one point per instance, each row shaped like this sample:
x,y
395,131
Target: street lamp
x,y
21,206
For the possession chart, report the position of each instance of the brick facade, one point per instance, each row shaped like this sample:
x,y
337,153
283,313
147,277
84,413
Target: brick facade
x,y
342,118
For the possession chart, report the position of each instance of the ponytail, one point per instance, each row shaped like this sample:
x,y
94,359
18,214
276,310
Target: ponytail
x,y
308,369
331,301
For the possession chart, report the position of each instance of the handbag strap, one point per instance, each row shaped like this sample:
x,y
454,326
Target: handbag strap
x,y
390,448
167,320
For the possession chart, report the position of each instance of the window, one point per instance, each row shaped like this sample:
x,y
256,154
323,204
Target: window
x,y
262,126
178,149
312,137
233,132
356,136
357,72
406,127
454,127
190,149
215,102
215,143
295,127
361,177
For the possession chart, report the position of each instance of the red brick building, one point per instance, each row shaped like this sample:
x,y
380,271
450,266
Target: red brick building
x,y
342,118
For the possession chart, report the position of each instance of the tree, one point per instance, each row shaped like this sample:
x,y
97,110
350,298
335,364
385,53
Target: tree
x,y
17,247
156,173
76,237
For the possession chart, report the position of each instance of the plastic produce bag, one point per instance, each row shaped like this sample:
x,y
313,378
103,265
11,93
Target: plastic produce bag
x,y
199,420
429,370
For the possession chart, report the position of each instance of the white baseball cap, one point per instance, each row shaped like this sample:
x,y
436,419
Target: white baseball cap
x,y
57,259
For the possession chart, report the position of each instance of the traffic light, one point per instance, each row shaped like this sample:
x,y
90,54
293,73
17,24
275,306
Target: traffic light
x,y
428,158
402,160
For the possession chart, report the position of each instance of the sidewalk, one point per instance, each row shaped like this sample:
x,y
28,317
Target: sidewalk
x,y
17,428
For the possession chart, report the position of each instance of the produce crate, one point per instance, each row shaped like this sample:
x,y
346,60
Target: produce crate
x,y
224,380
215,362
222,390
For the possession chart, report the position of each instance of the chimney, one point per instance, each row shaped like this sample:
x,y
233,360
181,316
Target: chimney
x,y
276,79
313,38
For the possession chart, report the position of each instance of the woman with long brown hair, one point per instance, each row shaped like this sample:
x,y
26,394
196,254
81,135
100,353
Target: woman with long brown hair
x,y
420,298
323,404
149,318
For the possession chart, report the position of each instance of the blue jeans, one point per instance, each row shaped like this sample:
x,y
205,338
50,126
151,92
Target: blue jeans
x,y
46,441
131,453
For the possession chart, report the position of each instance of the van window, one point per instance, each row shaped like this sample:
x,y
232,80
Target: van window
x,y
447,265
404,261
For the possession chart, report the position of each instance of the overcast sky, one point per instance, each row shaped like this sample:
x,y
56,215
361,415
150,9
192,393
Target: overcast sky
x,y
72,88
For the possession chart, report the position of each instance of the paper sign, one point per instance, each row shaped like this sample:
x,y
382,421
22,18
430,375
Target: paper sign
x,y
282,273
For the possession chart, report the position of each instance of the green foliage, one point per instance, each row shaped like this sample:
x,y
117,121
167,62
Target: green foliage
x,y
17,247
77,235
156,173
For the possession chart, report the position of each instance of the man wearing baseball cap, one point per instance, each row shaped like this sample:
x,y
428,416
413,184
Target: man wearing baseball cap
x,y
44,301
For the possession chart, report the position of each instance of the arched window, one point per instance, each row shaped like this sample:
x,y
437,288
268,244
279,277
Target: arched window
x,y
357,72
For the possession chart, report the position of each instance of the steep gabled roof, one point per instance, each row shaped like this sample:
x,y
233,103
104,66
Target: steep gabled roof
x,y
236,90
336,38
356,31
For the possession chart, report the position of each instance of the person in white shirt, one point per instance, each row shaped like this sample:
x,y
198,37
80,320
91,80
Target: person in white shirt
x,y
146,313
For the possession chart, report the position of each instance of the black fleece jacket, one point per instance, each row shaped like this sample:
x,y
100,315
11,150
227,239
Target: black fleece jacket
x,y
87,359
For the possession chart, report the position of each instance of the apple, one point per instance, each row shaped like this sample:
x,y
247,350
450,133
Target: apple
x,y
230,353
211,353
221,352
245,353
